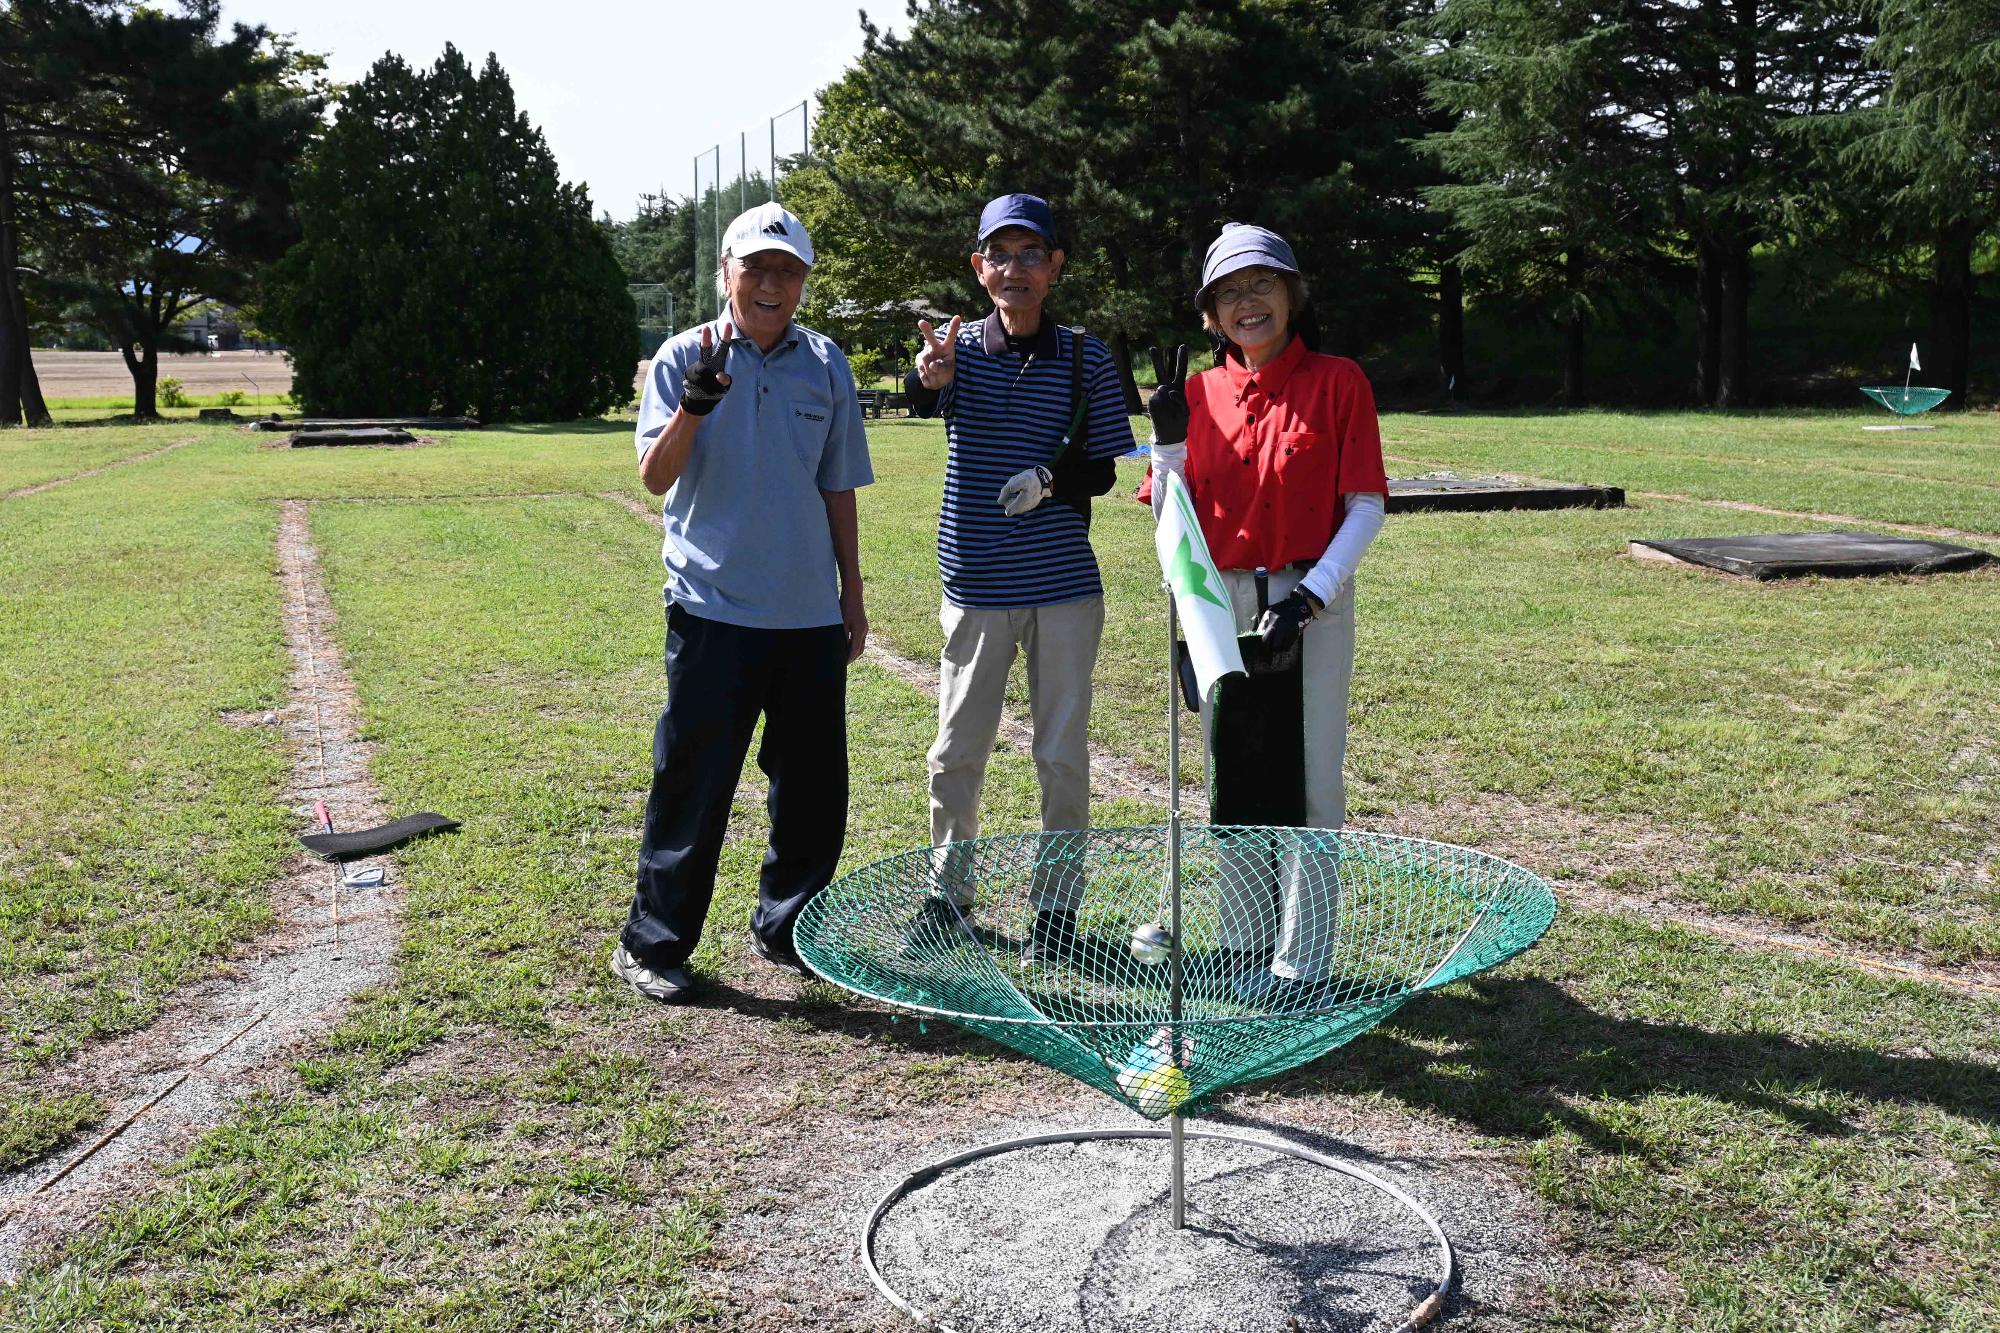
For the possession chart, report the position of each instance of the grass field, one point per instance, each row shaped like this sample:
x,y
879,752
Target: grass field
x,y
1717,1137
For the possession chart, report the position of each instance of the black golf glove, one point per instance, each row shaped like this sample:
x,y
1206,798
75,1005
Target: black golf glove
x,y
1281,626
1168,407
705,382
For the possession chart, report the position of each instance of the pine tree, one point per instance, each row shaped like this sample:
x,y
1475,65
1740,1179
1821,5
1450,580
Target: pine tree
x,y
1930,153
1546,160
444,266
1147,126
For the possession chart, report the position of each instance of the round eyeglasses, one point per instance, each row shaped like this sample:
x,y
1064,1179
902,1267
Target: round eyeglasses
x,y
1261,285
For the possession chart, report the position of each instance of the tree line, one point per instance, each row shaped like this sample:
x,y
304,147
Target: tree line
x,y
416,250
1715,202
1629,177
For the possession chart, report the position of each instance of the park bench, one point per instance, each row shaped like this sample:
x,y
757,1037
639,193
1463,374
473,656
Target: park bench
x,y
874,402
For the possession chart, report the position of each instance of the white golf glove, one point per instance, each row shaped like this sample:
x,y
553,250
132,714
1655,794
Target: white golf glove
x,y
1025,490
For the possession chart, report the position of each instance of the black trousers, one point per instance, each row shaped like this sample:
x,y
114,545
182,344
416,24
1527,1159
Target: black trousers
x,y
720,677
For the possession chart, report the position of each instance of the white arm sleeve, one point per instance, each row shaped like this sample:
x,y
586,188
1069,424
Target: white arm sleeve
x,y
1365,512
1168,458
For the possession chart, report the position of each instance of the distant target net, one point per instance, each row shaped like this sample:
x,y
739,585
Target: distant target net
x,y
1291,942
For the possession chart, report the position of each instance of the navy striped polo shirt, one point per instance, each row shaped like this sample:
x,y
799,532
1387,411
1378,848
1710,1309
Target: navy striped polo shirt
x,y
1005,412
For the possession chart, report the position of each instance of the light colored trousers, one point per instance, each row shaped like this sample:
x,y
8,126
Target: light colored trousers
x,y
1060,642
1288,902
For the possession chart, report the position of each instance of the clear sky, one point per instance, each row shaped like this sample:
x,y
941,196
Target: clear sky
x,y
626,94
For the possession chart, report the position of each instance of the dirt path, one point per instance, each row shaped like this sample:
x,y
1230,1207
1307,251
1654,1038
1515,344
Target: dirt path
x,y
54,482
223,1038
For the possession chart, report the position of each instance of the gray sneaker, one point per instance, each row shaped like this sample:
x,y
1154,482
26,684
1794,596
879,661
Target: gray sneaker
x,y
669,985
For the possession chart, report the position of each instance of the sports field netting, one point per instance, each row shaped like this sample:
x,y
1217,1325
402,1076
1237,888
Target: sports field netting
x,y
974,932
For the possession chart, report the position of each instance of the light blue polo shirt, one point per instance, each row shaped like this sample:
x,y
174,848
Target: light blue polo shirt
x,y
747,540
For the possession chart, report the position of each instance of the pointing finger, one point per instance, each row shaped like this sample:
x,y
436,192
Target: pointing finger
x,y
1159,366
930,335
1180,364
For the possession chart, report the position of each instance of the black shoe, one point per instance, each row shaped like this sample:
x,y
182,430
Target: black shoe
x,y
1053,939
1219,970
937,927
779,958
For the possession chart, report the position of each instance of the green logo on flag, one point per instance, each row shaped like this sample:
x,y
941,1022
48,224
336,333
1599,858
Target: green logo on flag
x,y
1190,576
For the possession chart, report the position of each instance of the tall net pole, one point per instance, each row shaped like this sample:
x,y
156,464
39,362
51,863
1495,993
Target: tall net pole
x,y
742,171
718,224
694,234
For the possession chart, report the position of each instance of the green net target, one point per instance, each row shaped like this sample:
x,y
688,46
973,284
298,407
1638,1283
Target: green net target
x,y
1067,947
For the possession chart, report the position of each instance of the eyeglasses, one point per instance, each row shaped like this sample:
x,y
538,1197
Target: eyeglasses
x,y
1028,256
1261,285
786,275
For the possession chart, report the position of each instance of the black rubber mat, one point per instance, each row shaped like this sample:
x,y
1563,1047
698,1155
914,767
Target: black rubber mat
x,y
1783,555
307,439
1479,494
368,841
366,423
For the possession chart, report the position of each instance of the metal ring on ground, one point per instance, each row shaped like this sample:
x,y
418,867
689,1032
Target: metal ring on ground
x,y
1425,1311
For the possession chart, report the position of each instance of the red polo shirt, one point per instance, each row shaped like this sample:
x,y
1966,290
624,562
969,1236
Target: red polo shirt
x,y
1271,452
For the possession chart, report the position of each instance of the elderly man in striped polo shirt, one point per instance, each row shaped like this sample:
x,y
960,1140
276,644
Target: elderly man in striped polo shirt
x,y
1035,417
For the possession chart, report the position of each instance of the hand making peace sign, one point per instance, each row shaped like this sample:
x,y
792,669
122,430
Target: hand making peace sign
x,y
1168,407
937,360
706,381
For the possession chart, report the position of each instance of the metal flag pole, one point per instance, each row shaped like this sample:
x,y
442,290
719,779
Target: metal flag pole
x,y
1174,904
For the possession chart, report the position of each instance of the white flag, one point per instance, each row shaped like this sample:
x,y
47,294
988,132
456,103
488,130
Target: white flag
x,y
1203,603
1914,363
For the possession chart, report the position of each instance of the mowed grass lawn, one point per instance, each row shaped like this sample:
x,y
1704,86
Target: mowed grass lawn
x,y
504,1138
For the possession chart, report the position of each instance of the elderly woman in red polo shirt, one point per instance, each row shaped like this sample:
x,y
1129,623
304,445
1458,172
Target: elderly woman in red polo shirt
x,y
1280,451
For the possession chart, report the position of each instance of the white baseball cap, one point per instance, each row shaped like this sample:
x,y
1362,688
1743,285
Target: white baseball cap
x,y
768,227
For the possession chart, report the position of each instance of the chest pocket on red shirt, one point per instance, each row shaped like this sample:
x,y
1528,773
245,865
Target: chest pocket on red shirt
x,y
1305,458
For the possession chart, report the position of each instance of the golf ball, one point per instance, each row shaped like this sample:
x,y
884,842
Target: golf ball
x,y
1151,943
1158,1092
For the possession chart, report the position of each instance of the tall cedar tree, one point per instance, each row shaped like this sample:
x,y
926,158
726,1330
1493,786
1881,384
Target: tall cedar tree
x,y
143,166
1723,83
1545,155
1147,126
445,267
1932,150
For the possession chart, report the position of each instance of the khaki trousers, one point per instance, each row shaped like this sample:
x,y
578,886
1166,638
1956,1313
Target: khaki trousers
x,y
1060,642
1288,902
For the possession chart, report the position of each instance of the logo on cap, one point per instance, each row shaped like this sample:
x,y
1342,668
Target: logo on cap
x,y
776,229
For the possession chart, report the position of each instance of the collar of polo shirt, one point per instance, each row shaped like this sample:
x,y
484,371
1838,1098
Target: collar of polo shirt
x,y
993,337
1271,377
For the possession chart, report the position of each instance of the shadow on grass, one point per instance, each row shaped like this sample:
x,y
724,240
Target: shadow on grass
x,y
1524,1055
833,1011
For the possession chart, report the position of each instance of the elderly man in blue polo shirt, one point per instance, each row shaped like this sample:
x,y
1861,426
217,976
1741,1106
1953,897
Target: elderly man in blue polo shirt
x,y
1035,417
750,428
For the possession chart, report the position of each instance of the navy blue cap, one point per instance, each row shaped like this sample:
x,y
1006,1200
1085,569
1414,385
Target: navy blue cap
x,y
1243,246
1019,210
